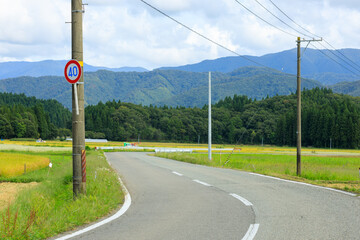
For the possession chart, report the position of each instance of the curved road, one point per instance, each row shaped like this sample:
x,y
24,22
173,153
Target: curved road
x,y
175,200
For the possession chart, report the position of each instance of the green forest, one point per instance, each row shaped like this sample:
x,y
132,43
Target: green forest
x,y
327,118
28,117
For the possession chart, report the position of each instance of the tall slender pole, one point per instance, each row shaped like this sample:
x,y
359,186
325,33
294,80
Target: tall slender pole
x,y
298,140
298,153
78,124
209,130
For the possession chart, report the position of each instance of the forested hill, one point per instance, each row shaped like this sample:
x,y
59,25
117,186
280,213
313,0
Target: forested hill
x,y
168,87
58,114
273,120
350,88
28,117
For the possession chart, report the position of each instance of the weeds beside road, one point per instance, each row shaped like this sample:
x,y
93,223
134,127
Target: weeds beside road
x,y
49,209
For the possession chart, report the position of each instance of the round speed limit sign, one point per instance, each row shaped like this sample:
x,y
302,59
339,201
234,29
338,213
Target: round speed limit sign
x,y
72,71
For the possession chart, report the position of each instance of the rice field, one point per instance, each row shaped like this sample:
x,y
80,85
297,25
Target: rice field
x,y
13,164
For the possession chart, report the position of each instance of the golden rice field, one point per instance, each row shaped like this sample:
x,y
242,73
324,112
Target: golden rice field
x,y
56,145
12,164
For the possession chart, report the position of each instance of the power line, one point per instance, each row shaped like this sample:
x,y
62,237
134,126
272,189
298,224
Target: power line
x,y
201,35
304,34
321,51
265,20
293,20
332,52
341,53
346,60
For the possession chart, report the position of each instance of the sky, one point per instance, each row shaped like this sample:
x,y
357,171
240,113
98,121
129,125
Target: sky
x,y
120,33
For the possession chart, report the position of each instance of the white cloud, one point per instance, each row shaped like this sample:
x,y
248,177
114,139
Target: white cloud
x,y
129,33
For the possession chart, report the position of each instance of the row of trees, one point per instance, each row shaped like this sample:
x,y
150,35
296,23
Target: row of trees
x,y
326,117
26,122
328,120
28,117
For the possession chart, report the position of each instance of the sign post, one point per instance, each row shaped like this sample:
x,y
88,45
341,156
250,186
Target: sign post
x,y
72,74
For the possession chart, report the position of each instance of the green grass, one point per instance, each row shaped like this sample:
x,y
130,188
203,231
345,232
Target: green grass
x,y
323,170
49,209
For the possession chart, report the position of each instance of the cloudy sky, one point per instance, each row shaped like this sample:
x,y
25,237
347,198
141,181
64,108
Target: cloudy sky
x,y
121,33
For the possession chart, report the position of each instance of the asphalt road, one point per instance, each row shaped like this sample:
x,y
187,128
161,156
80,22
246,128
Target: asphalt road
x,y
175,200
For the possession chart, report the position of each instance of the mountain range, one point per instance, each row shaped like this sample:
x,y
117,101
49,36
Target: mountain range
x,y
185,85
50,68
161,87
315,64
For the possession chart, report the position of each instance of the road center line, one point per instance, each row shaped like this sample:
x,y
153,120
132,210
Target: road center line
x,y
250,234
176,173
243,200
203,183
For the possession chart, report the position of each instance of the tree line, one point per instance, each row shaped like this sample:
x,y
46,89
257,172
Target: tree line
x,y
28,117
327,118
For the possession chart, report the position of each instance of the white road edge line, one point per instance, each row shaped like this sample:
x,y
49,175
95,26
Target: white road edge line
x,y
306,184
176,173
250,234
122,210
203,183
243,200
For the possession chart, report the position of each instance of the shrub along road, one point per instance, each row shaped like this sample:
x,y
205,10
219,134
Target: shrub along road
x,y
176,200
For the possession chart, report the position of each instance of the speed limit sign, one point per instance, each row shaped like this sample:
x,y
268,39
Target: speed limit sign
x,y
72,71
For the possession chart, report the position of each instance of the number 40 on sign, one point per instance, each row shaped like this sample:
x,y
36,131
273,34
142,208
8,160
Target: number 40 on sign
x,y
72,71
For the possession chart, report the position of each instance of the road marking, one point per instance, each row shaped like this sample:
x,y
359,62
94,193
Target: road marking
x,y
176,173
243,200
203,183
306,184
122,210
250,234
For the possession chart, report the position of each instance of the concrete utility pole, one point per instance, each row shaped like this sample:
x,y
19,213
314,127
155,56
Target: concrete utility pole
x,y
298,123
209,130
78,123
298,92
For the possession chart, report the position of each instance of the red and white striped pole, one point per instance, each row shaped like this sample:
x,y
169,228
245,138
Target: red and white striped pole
x,y
83,170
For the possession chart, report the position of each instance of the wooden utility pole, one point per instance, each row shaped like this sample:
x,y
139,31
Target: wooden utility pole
x,y
298,92
78,123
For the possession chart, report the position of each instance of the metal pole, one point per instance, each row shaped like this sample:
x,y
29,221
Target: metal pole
x,y
209,130
298,154
78,124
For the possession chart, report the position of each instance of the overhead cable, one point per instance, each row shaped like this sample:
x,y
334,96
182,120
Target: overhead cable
x,y
262,19
201,35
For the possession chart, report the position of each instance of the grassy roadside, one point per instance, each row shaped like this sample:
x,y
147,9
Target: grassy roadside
x,y
49,209
330,171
